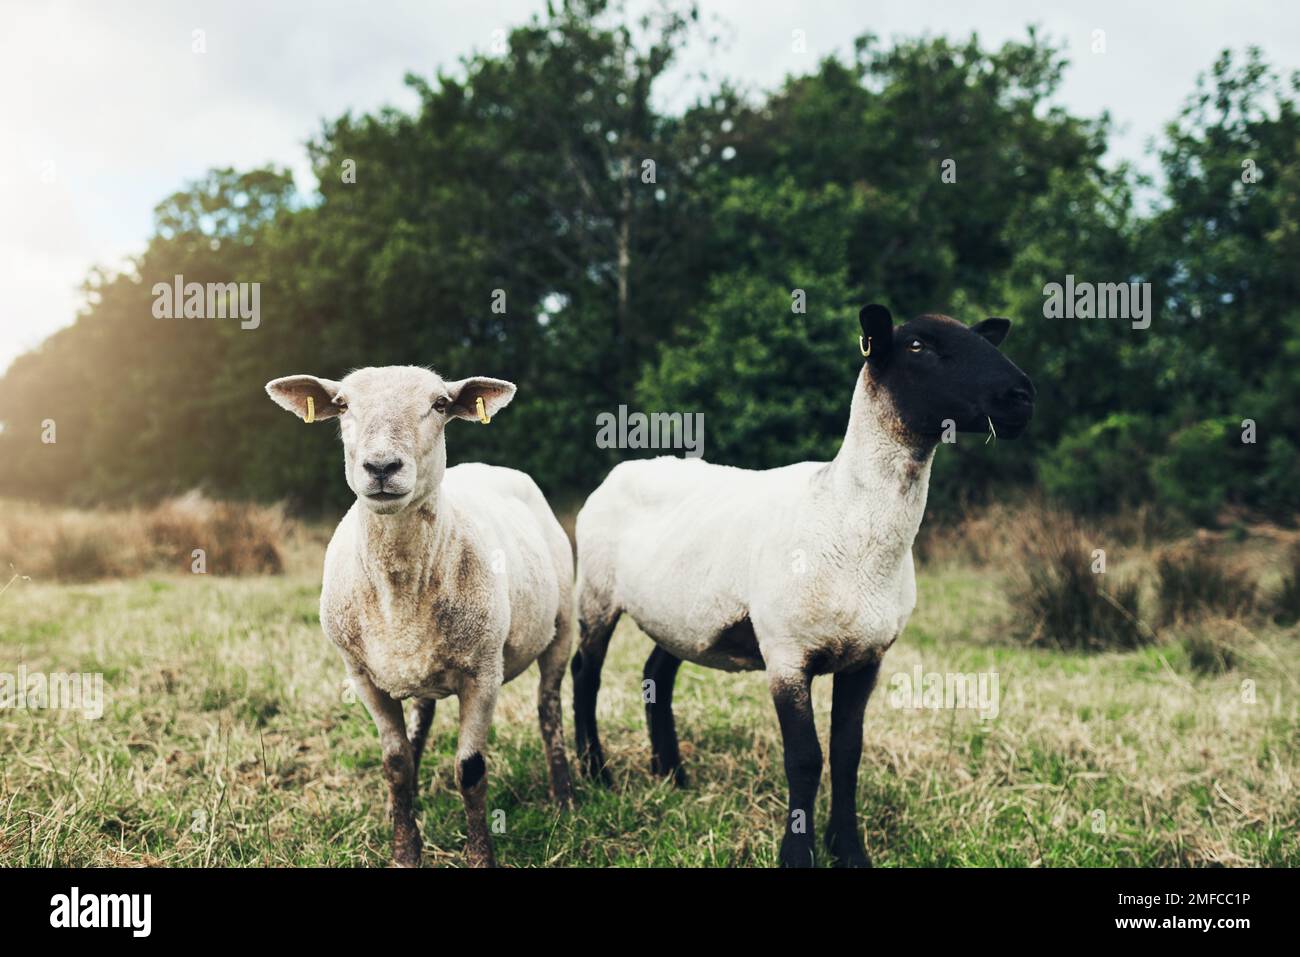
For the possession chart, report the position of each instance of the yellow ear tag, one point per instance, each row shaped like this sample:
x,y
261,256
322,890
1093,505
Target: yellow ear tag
x,y
311,409
482,412
865,350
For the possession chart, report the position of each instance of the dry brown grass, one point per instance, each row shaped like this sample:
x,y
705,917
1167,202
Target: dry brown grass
x,y
61,544
1285,604
996,533
1193,581
1065,596
229,739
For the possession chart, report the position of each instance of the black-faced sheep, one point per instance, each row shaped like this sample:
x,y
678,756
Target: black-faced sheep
x,y
802,571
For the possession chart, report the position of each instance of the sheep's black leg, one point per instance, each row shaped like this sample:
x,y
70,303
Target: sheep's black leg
x,y
660,673
792,694
848,706
421,718
593,641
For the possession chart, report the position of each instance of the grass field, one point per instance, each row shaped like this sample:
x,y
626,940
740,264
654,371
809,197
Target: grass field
x,y
228,738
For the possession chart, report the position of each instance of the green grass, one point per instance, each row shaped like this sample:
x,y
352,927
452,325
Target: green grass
x,y
228,739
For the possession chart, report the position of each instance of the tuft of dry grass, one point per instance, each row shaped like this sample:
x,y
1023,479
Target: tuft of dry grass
x,y
1285,604
1215,645
69,545
1193,582
1062,595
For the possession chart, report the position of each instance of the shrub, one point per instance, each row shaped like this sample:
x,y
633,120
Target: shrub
x,y
237,538
1192,583
1062,602
1213,646
72,545
85,554
1278,490
1200,466
1101,467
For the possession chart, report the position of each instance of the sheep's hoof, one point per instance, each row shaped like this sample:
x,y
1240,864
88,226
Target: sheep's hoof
x,y
593,766
847,853
796,852
663,770
480,858
561,784
407,854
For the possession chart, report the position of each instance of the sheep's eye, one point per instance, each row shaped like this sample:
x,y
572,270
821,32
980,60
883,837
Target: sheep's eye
x,y
916,345
440,404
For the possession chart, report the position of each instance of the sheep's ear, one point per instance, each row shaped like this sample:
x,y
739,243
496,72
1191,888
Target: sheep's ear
x,y
495,393
993,329
292,392
877,333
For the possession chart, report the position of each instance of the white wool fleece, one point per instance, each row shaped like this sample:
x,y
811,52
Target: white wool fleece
x,y
818,556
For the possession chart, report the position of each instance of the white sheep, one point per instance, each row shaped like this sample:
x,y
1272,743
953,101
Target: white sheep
x,y
438,581
802,570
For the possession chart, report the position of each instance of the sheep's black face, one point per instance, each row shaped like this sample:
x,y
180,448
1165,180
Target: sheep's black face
x,y
941,374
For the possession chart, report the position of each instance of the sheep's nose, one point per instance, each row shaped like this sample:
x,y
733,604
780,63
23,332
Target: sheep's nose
x,y
382,468
1022,393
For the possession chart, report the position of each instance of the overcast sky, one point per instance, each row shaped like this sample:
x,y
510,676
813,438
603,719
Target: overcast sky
x,y
105,109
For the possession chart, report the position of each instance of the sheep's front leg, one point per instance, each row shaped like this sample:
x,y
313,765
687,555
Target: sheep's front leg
x,y
848,706
421,719
399,768
478,698
792,694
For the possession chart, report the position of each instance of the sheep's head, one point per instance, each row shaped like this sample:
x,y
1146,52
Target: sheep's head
x,y
937,370
391,420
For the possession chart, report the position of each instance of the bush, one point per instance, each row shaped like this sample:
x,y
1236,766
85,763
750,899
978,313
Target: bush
x,y
1193,582
1101,467
1063,603
237,539
72,545
1278,490
1213,646
1199,468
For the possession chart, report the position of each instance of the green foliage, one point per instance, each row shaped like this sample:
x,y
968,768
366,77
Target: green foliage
x,y
774,383
1200,468
1101,467
524,172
